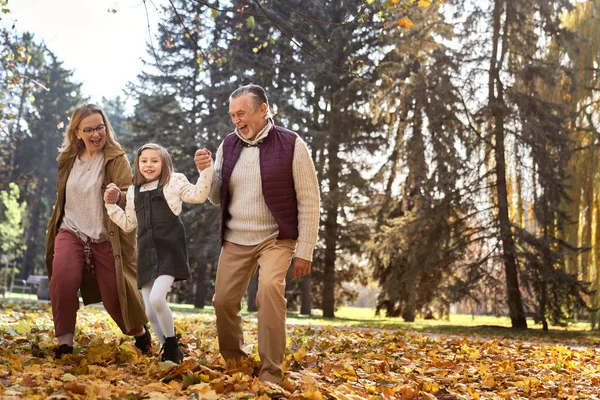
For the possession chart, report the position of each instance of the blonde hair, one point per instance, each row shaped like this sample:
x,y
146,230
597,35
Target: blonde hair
x,y
72,144
167,165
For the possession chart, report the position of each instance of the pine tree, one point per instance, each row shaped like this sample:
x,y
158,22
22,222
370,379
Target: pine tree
x,y
422,232
518,111
32,111
53,97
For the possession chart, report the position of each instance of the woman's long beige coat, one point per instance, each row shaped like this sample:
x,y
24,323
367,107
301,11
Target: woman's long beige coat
x,y
116,170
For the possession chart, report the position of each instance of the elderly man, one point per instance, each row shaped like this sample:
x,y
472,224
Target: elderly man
x,y
266,185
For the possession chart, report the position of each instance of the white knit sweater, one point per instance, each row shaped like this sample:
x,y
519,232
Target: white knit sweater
x,y
251,221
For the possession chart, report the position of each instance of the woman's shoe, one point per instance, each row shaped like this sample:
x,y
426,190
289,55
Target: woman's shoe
x,y
144,342
62,350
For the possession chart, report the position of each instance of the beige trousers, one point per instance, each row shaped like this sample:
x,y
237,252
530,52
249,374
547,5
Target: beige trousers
x,y
237,265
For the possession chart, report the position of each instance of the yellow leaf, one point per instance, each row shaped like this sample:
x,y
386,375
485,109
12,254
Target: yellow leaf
x,y
429,385
408,392
300,354
312,393
309,380
128,352
255,50
23,328
483,368
405,22
202,387
424,3
473,393
409,368
68,377
371,389
488,381
214,13
166,365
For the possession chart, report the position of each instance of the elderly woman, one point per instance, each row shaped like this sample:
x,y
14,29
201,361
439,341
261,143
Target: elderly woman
x,y
85,250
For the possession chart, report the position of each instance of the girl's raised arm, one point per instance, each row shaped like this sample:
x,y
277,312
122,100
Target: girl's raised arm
x,y
197,193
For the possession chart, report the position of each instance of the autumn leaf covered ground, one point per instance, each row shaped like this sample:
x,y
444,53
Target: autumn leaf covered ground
x,y
333,359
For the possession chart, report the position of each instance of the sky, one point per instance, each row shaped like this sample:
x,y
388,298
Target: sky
x,y
103,48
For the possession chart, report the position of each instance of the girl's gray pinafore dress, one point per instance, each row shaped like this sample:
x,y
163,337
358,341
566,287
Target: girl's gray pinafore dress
x,y
161,244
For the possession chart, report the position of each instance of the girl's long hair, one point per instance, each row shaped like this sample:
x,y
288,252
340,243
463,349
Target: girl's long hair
x,y
167,165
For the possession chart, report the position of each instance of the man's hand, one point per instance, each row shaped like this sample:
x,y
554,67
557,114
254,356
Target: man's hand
x,y
301,268
112,194
202,158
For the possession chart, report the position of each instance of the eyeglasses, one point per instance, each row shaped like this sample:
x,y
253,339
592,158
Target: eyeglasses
x,y
88,131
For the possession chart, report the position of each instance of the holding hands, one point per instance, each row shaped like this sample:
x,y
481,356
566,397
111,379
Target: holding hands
x,y
112,194
202,158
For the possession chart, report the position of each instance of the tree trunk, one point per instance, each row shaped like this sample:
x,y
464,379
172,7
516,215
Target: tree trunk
x,y
15,134
409,309
200,295
586,235
497,107
520,208
32,232
251,292
306,307
331,223
515,305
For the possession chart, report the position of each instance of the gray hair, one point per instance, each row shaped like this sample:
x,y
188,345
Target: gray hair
x,y
257,94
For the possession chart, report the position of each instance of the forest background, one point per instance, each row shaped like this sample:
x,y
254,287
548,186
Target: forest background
x,y
456,144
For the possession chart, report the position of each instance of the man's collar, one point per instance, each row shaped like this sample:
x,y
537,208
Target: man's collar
x,y
259,137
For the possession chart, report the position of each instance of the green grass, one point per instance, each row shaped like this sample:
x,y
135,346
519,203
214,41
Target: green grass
x,y
479,325
20,296
483,326
458,324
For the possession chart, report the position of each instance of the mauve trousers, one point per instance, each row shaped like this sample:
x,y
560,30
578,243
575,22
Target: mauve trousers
x,y
67,272
237,264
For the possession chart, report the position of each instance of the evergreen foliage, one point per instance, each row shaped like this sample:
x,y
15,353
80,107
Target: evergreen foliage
x,y
456,146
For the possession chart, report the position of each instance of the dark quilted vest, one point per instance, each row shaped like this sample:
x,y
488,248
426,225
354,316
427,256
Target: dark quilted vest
x,y
276,156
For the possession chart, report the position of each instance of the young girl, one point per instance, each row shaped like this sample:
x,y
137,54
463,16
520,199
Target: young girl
x,y
153,206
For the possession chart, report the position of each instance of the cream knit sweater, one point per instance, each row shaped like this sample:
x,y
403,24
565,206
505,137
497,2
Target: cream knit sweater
x,y
84,215
251,221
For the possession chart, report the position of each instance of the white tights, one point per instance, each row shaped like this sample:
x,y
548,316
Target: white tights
x,y
157,309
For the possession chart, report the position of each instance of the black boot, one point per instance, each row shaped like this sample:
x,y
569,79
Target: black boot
x,y
144,342
62,350
171,350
